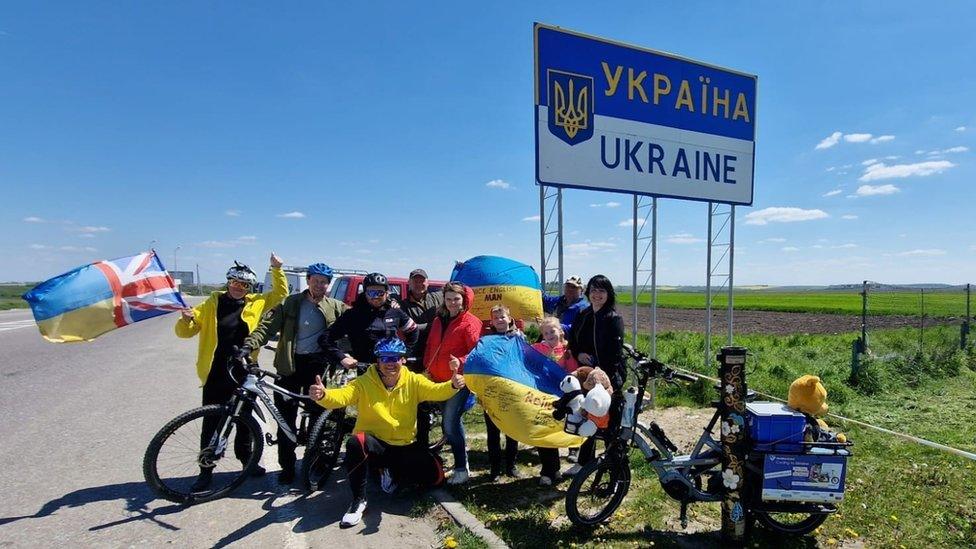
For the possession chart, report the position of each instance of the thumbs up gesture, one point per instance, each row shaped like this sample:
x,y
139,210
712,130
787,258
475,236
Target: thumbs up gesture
x,y
317,390
457,380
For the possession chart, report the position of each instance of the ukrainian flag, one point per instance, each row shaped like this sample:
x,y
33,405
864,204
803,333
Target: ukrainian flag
x,y
517,385
500,281
83,304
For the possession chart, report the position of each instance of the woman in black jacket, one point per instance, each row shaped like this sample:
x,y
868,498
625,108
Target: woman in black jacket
x,y
597,339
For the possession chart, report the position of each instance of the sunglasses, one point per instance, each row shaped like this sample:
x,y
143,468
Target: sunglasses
x,y
389,359
239,284
373,294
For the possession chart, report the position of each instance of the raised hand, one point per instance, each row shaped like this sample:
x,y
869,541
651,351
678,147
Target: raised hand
x,y
317,390
457,380
349,362
454,364
275,260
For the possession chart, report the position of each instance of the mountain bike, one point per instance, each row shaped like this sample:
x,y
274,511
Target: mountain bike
x,y
599,488
180,450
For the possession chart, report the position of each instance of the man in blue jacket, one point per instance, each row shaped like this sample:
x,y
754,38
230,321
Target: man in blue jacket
x,y
567,306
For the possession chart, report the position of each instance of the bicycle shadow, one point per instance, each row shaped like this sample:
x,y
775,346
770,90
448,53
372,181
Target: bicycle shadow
x,y
323,509
137,497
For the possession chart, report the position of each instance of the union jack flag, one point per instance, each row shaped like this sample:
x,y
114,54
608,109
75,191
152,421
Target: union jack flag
x,y
141,288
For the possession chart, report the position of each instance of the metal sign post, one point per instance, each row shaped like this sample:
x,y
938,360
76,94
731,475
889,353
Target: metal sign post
x,y
720,268
551,237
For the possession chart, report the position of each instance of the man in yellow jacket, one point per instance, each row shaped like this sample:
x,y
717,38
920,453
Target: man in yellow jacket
x,y
386,399
223,321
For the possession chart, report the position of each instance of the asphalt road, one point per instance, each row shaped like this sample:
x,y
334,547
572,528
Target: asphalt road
x,y
76,419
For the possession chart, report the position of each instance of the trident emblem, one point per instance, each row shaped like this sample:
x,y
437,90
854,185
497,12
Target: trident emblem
x,y
570,106
571,114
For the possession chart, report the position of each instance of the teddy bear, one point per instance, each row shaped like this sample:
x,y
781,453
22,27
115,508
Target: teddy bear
x,y
585,403
808,395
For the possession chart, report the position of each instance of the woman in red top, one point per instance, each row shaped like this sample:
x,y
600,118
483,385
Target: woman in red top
x,y
453,334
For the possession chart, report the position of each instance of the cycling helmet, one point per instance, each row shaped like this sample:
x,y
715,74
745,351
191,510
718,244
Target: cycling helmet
x,y
319,269
390,346
375,279
242,273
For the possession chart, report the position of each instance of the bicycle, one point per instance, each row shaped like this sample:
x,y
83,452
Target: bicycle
x,y
178,453
599,488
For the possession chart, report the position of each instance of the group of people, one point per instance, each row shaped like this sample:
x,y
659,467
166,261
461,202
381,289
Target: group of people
x,y
418,344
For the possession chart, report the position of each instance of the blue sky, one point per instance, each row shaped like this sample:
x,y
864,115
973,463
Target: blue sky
x,y
392,135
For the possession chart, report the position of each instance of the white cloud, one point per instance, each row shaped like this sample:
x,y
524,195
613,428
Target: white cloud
x,y
817,246
239,241
876,190
844,246
247,238
292,215
783,215
869,161
882,139
233,213
830,169
777,240
499,184
683,238
928,252
834,192
91,229
880,171
77,249
630,223
961,128
857,137
829,141
610,204
790,249
531,218
920,151
86,235
39,247
892,157
956,150
34,219
848,216
590,246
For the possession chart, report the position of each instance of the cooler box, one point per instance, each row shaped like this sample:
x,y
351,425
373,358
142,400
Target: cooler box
x,y
804,477
774,426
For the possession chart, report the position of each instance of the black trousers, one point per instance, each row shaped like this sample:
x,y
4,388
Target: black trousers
x,y
495,448
413,464
306,368
218,389
550,462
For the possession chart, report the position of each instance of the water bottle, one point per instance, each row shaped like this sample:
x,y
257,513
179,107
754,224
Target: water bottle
x,y
630,400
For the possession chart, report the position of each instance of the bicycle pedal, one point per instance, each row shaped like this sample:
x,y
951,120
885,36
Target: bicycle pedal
x,y
268,440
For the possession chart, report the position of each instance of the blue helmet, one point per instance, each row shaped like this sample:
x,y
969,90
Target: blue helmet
x,y
390,346
319,269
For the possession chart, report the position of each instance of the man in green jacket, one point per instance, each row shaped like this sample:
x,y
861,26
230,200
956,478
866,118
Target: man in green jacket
x,y
300,320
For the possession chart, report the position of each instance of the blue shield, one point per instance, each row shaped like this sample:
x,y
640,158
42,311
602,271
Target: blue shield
x,y
570,106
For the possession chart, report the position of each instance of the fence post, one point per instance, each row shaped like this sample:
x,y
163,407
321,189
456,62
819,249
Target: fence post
x,y
921,324
964,329
864,317
732,373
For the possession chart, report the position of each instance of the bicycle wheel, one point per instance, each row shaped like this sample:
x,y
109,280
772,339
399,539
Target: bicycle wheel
x,y
794,524
437,436
176,457
324,447
597,490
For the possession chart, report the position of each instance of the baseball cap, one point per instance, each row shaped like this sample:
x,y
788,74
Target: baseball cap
x,y
575,281
420,272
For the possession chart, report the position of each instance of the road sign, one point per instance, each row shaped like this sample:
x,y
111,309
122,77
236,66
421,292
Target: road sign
x,y
615,117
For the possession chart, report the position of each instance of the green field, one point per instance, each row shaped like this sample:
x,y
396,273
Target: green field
x,y
898,493
10,296
937,303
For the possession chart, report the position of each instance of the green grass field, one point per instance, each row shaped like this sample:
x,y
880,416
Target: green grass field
x,y
899,493
937,303
10,296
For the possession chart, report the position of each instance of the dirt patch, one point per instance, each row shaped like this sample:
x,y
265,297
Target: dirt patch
x,y
771,322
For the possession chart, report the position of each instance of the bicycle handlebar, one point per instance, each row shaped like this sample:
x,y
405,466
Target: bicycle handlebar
x,y
656,368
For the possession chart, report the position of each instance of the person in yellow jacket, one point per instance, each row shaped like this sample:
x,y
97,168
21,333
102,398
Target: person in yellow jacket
x,y
223,321
386,399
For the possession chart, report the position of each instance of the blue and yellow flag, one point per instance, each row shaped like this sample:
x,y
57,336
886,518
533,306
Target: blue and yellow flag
x,y
83,304
500,281
517,385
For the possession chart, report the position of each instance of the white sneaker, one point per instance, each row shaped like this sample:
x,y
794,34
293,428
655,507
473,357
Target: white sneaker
x,y
572,470
386,482
545,481
354,514
460,476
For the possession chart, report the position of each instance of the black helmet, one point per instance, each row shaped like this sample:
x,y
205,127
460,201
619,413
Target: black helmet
x,y
375,279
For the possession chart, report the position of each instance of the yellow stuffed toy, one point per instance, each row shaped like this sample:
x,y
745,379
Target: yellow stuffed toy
x,y
808,395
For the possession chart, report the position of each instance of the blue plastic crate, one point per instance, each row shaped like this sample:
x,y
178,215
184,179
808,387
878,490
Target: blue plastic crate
x,y
774,423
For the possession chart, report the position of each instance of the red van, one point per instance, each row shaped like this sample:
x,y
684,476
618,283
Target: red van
x,y
345,288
